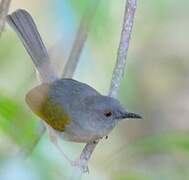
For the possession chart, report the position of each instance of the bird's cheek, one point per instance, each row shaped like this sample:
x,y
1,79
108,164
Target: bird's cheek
x,y
112,121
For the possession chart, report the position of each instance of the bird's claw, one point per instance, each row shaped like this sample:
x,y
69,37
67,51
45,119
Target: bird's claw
x,y
78,163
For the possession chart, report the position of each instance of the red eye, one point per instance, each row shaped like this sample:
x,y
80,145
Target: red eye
x,y
108,114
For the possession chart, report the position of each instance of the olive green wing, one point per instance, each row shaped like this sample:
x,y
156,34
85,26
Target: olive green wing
x,y
42,104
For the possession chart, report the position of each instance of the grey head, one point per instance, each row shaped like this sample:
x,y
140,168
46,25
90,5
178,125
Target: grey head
x,y
109,108
105,112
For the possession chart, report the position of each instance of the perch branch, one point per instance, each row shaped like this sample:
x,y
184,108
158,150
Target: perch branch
x,y
4,8
80,39
70,66
116,78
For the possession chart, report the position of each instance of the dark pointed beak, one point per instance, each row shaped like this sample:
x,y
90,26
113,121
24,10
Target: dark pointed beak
x,y
131,115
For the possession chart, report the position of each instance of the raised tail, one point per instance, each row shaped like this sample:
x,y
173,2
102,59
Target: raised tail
x,y
23,24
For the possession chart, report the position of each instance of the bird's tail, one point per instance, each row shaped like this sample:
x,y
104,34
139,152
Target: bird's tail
x,y
23,24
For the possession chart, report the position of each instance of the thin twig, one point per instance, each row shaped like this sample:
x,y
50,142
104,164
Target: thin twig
x,y
123,47
28,149
71,65
116,78
81,37
4,8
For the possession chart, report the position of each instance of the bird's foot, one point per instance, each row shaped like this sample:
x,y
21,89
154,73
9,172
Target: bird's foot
x,y
81,164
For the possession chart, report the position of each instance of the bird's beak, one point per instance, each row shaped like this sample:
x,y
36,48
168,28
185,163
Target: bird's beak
x,y
130,115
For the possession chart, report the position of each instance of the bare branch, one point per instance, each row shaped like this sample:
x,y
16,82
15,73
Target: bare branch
x,y
116,78
123,47
4,8
81,38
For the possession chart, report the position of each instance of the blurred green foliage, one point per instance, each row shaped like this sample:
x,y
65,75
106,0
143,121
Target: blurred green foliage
x,y
12,123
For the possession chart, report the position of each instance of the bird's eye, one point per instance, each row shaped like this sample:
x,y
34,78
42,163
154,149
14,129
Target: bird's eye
x,y
108,114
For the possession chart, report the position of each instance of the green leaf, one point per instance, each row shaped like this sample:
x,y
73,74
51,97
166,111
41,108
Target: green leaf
x,y
15,120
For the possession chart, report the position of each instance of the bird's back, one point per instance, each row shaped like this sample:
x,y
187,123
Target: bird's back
x,y
55,102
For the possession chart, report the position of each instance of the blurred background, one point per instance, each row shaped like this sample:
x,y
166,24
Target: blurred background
x,y
155,85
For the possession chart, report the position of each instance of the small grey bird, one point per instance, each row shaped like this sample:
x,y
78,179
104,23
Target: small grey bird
x,y
70,109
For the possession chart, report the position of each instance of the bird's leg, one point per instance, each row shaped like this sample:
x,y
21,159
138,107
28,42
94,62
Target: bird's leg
x,y
78,162
82,161
54,139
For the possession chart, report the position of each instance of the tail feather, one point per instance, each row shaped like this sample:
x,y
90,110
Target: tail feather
x,y
24,26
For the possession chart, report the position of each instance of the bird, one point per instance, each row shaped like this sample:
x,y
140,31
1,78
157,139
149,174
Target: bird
x,y
71,110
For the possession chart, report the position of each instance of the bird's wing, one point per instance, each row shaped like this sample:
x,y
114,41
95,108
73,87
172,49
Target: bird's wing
x,y
44,105
58,103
